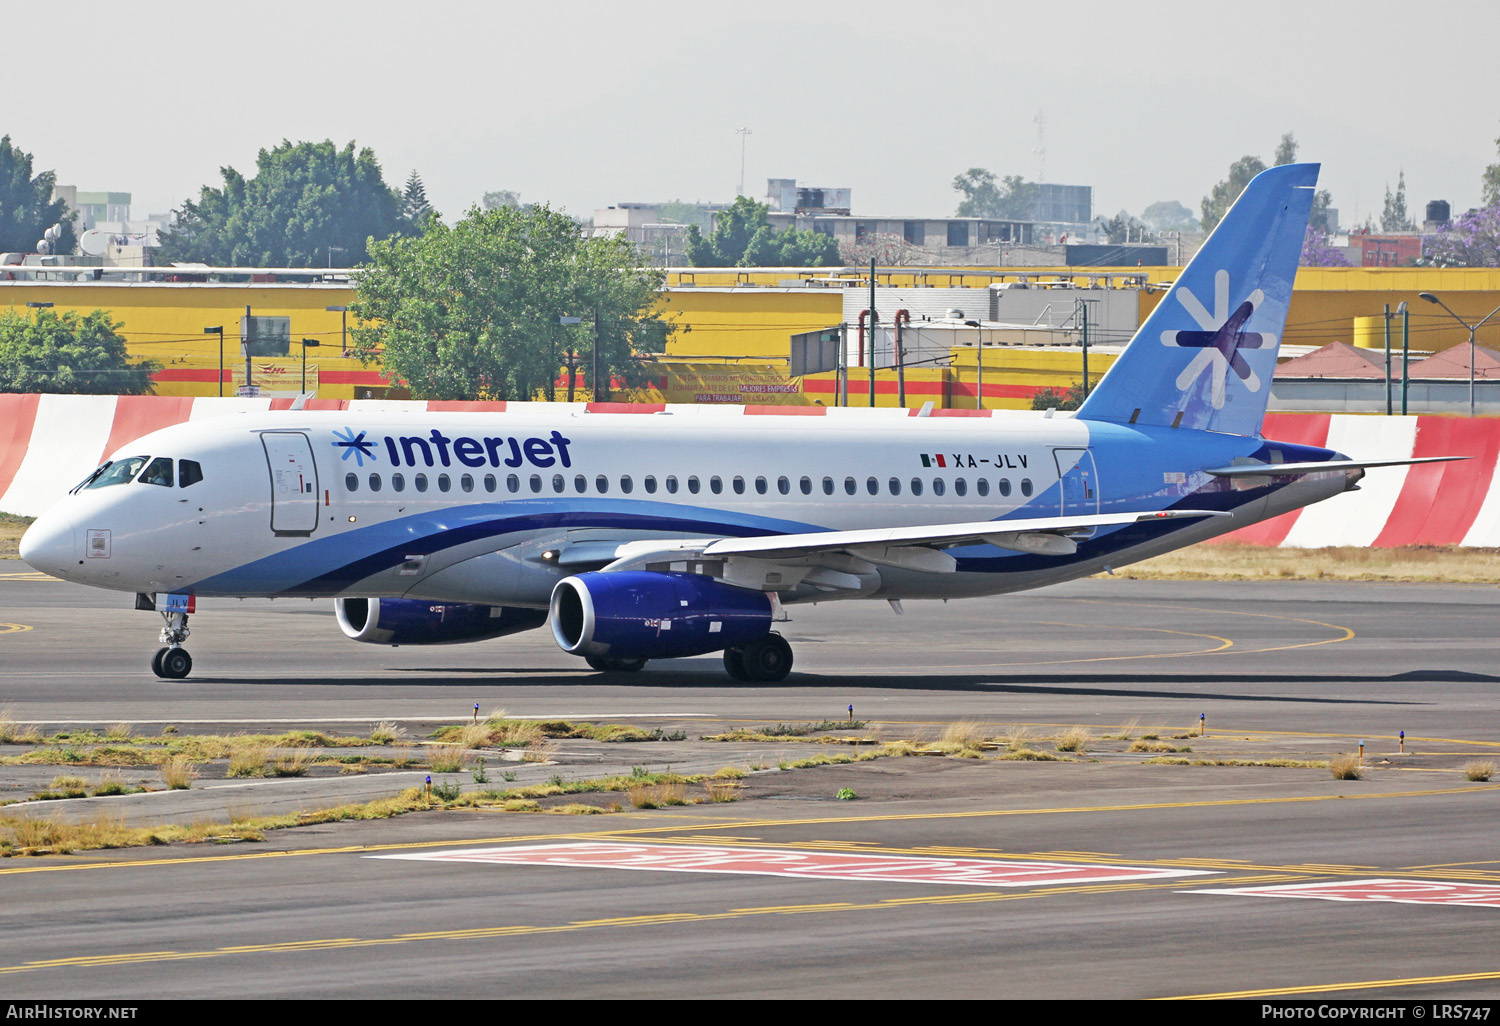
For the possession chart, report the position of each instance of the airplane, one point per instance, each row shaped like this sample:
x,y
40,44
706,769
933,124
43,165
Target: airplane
x,y
685,531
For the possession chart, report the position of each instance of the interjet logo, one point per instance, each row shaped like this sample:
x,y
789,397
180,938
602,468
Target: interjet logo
x,y
354,446
437,449
1219,342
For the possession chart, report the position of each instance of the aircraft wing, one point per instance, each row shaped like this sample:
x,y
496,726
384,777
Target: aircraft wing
x,y
1047,535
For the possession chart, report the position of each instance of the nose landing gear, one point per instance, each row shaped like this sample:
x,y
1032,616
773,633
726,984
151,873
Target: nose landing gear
x,y
173,662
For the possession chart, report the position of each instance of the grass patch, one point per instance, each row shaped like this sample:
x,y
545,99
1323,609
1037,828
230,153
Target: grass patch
x,y
1074,739
1157,747
1479,770
1029,755
1227,561
387,732
1346,767
720,789
11,529
178,773
248,762
447,758
292,764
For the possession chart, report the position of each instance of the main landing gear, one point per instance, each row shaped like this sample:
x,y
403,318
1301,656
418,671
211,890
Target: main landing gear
x,y
766,660
173,661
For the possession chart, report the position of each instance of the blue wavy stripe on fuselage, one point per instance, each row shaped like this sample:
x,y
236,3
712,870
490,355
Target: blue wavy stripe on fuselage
x,y
327,566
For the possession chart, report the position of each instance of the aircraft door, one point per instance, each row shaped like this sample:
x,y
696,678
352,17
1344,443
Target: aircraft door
x,y
1078,482
294,482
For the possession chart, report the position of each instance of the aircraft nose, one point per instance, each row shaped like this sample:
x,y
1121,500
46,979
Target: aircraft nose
x,y
51,545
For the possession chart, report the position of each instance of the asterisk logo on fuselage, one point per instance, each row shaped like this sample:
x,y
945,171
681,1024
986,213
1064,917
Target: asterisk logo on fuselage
x,y
354,445
1219,342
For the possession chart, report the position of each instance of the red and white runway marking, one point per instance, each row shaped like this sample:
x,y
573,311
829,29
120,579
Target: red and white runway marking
x,y
1410,892
819,865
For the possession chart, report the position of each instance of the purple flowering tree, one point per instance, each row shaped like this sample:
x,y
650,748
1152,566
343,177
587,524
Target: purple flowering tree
x,y
1316,252
1472,240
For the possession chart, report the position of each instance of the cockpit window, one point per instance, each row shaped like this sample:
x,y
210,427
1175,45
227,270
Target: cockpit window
x,y
189,472
157,472
118,472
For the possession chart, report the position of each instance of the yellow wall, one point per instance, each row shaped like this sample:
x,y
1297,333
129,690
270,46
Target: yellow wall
x,y
745,323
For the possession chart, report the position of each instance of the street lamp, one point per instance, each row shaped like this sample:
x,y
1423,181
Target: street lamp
x,y
331,250
1472,345
742,132
219,330
572,355
305,343
343,312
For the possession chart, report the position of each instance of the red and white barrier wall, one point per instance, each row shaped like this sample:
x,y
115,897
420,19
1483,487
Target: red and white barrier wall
x,y
48,443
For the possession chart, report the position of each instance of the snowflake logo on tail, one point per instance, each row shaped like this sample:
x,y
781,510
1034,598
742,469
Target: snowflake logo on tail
x,y
1219,342
355,446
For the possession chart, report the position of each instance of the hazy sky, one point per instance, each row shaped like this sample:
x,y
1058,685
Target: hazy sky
x,y
586,104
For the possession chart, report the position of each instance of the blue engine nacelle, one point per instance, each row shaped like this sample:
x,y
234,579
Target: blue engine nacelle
x,y
386,621
637,614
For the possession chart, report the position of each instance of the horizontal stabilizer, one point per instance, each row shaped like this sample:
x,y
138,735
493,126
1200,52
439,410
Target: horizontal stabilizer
x,y
1277,469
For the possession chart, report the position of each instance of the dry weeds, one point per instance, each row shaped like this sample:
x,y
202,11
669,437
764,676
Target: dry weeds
x,y
1346,767
1479,770
1230,561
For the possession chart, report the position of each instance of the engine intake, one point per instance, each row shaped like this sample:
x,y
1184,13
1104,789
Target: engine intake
x,y
386,621
638,614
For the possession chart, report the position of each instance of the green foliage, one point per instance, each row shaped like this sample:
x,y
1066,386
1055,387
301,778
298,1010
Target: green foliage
x,y
1049,398
1393,218
472,311
1217,203
1011,198
501,198
447,790
1169,216
26,205
1490,182
1286,150
306,202
415,209
846,794
68,353
742,236
1124,228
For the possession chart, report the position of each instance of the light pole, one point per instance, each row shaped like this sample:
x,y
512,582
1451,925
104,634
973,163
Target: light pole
x,y
742,132
343,312
1472,345
331,250
572,355
219,330
305,343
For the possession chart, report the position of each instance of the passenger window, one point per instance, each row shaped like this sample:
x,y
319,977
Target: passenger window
x,y
693,484
625,484
188,473
872,486
806,485
895,485
536,483
419,482
1005,486
157,472
559,483
938,487
1026,486
916,486
444,483
784,486
760,485
849,486
398,483
490,484
649,484
374,482
671,484
739,485
580,483
961,487
466,482
716,484
828,486
513,483
982,486
351,482
601,484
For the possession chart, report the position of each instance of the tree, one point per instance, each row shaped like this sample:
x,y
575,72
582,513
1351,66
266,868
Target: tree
x,y
1169,216
1316,252
1049,397
1009,199
1394,218
472,311
742,236
1123,228
306,202
1490,182
1472,240
27,208
414,206
68,353
1217,203
501,198
1286,150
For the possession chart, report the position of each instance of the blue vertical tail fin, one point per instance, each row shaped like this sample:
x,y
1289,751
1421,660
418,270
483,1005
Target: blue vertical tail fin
x,y
1205,356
